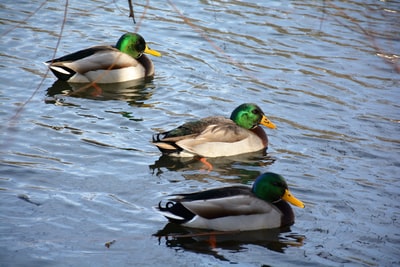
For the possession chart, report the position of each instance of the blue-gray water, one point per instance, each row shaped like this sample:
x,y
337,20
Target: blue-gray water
x,y
78,172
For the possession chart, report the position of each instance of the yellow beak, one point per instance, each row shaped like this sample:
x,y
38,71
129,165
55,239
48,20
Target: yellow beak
x,y
291,199
147,50
266,122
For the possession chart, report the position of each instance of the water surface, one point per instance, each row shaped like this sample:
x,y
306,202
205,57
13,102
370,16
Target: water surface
x,y
79,172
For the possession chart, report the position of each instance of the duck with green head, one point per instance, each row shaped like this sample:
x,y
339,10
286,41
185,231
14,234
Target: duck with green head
x,y
235,208
106,63
217,136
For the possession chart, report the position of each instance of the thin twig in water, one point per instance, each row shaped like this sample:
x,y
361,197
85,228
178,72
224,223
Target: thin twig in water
x,y
14,118
389,58
24,20
131,13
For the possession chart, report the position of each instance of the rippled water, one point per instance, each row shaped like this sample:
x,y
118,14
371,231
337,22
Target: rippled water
x,y
79,172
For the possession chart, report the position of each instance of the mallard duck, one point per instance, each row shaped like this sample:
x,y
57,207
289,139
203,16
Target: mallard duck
x,y
235,208
218,136
106,63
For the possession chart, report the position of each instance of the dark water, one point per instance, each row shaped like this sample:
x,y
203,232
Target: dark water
x,y
79,171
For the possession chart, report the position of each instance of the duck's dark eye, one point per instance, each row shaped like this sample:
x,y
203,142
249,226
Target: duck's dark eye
x,y
137,49
140,47
278,184
255,111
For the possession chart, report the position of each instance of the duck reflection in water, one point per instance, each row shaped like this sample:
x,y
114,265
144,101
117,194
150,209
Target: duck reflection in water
x,y
230,166
215,243
133,92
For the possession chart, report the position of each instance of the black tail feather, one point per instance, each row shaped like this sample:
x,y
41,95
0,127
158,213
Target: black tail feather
x,y
63,76
176,209
158,138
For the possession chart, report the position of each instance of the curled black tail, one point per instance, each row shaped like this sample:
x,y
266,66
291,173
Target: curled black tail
x,y
158,137
166,147
62,73
176,209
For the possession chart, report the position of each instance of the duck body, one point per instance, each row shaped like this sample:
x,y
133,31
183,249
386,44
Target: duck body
x,y
217,136
106,63
235,208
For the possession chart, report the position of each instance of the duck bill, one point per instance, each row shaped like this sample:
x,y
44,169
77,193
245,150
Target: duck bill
x,y
152,52
292,200
266,122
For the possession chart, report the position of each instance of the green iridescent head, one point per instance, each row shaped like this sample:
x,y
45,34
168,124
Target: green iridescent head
x,y
250,116
134,45
272,187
